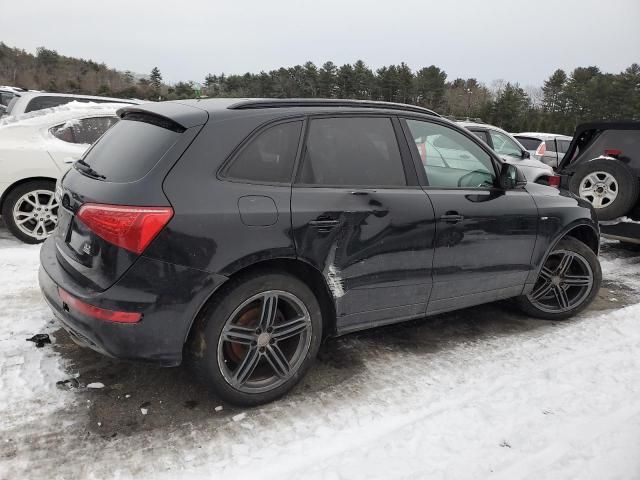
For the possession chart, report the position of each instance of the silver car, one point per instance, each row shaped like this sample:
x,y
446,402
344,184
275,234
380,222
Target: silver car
x,y
549,148
511,151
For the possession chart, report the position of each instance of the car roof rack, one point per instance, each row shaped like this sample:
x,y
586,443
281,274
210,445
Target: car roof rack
x,y
326,102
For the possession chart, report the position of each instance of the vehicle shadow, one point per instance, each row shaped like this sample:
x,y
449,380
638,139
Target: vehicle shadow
x,y
173,398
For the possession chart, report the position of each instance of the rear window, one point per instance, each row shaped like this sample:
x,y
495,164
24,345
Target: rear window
x,y
529,143
129,150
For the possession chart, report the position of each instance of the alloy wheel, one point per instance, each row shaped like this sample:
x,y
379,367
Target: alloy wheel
x,y
36,213
599,188
264,341
564,282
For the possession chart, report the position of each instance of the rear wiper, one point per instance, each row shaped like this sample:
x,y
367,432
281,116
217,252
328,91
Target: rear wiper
x,y
85,168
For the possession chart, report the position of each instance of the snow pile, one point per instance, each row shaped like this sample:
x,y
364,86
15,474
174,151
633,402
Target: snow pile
x,y
27,374
481,393
55,115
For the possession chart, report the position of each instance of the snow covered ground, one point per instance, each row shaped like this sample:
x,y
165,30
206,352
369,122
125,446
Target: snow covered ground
x,y
481,393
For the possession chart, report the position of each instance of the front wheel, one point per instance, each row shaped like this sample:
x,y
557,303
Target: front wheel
x,y
568,282
257,338
30,211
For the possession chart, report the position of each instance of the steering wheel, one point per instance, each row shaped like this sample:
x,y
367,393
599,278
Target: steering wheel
x,y
468,180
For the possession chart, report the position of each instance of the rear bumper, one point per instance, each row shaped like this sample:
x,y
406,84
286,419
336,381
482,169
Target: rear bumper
x,y
168,296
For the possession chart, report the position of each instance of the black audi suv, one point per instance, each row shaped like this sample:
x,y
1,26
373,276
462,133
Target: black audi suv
x,y
238,234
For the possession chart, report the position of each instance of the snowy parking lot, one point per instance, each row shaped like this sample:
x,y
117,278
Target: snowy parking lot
x,y
480,393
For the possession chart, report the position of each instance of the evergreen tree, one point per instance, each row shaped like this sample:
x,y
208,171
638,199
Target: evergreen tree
x,y
552,90
155,79
430,87
327,80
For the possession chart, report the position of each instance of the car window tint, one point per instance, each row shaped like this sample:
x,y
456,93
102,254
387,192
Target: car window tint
x,y
481,134
503,145
130,149
563,145
550,145
529,143
352,151
83,131
42,102
450,158
269,157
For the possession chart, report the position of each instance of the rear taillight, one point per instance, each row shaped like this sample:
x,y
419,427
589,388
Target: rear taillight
x,y
73,303
554,181
542,148
612,152
131,228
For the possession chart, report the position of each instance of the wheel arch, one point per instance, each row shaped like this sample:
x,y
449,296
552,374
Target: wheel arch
x,y
22,181
585,233
300,269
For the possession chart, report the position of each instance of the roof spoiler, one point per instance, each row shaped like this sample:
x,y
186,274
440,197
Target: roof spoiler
x,y
171,115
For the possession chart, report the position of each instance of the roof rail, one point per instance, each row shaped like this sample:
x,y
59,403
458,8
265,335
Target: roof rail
x,y
324,102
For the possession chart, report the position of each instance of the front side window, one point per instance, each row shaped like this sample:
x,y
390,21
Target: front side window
x,y
451,159
353,151
83,131
503,145
269,157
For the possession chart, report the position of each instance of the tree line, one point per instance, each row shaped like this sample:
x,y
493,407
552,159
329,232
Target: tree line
x,y
564,100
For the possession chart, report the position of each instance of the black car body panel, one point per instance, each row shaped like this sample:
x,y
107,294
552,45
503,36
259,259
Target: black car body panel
x,y
379,253
169,297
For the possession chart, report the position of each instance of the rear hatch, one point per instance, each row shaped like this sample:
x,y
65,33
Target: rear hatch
x,y
614,139
112,202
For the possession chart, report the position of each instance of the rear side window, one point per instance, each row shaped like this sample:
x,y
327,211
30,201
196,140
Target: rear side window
x,y
269,157
40,103
83,131
551,145
354,151
563,145
529,143
130,149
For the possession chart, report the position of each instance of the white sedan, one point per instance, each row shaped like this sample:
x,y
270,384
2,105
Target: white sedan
x,y
35,150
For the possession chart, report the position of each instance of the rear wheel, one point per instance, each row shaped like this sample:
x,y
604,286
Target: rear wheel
x,y
30,211
257,338
611,187
568,282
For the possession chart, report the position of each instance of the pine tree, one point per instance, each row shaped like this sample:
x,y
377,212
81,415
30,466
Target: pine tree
x,y
552,90
155,79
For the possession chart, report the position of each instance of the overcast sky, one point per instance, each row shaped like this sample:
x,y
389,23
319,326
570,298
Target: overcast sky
x,y
517,40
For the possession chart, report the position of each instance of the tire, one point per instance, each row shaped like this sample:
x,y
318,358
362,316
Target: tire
x,y
583,262
609,203
238,311
43,225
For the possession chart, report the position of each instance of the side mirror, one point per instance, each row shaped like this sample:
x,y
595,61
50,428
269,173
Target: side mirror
x,y
525,154
511,177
